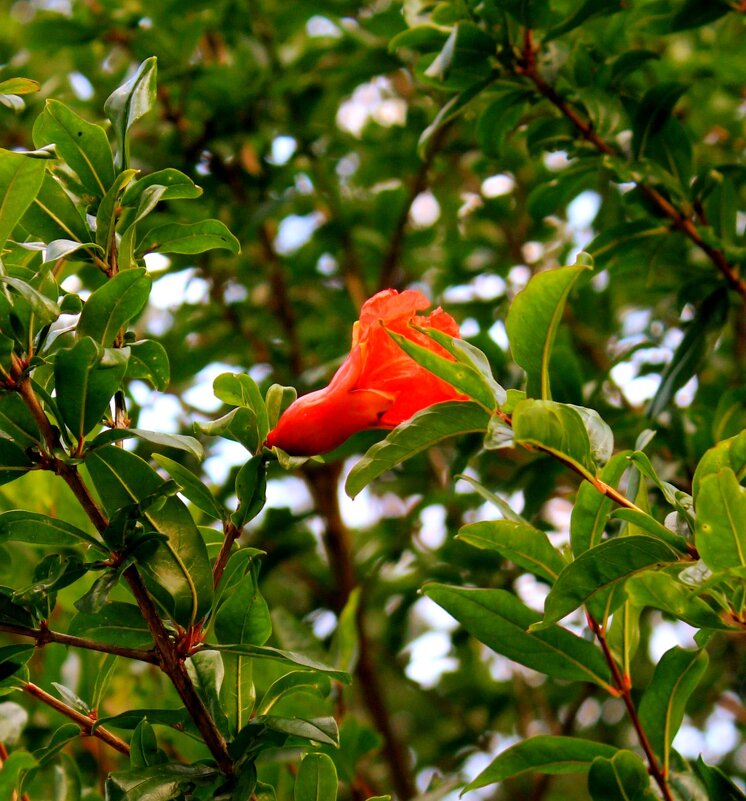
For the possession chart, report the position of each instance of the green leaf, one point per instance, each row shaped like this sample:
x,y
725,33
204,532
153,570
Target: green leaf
x,y
177,571
191,487
662,707
592,509
16,421
86,378
20,181
113,305
38,529
295,681
63,248
461,374
239,424
188,238
13,462
587,10
499,503
602,567
115,623
318,730
241,390
164,782
14,767
676,497
427,427
46,310
542,754
177,186
144,747
109,210
648,523
244,617
624,777
523,544
721,520
316,779
149,362
696,346
730,453
533,320
652,113
251,491
556,428
180,442
499,620
54,215
130,101
82,145
268,652
719,786
277,399
19,86
132,718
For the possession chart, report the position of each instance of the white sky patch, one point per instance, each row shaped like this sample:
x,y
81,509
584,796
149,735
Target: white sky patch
x,y
426,611
666,634
174,289
428,658
291,492
469,327
499,335
425,210
433,532
518,277
161,413
82,87
531,591
556,160
373,101
224,454
200,394
318,26
498,185
283,148
295,231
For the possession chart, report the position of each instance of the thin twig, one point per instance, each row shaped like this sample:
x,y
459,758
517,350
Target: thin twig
x,y
527,67
86,723
44,635
231,533
624,686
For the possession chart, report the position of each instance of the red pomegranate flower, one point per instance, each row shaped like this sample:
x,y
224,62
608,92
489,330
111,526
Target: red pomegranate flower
x,y
377,386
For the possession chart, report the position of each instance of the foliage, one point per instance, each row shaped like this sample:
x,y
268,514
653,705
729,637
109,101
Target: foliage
x,y
196,200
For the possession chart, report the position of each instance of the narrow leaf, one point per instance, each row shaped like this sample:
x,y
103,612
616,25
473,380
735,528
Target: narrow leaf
x,y
20,181
188,238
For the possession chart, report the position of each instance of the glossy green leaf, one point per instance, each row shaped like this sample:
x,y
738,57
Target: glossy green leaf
x,y
39,529
46,310
144,747
277,399
251,491
130,101
653,111
16,421
86,378
268,652
721,520
239,425
316,779
82,145
676,497
177,571
499,503
591,510
14,767
555,428
499,620
188,238
54,215
719,786
20,181
19,86
149,362
542,754
165,782
662,707
622,777
179,442
132,718
191,487
533,320
459,374
649,524
239,389
698,343
113,305
177,185
293,682
13,462
319,730
244,617
64,248
580,14
730,453
601,568
524,545
116,623
426,428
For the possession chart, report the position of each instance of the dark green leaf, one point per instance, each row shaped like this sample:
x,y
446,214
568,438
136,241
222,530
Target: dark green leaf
x,y
318,730
602,567
54,215
132,718
38,529
116,623
316,779
719,786
524,545
239,425
653,111
649,524
86,378
177,571
149,362
532,323
239,389
499,620
295,681
157,783
176,183
13,463
109,210
113,305
267,652
14,767
427,427
191,487
45,309
251,491
721,520
623,777
82,145
662,706
189,238
588,10
542,754
63,248
179,442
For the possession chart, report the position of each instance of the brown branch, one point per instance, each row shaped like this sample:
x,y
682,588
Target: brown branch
x,y
624,687
231,534
527,67
323,482
86,723
44,635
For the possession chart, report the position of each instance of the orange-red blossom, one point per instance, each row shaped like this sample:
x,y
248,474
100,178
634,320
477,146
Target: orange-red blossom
x,y
377,386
